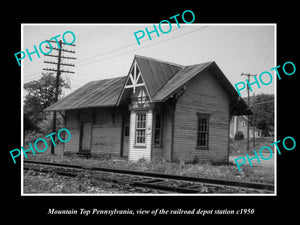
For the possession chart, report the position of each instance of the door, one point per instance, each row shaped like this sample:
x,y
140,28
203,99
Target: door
x,y
125,139
86,136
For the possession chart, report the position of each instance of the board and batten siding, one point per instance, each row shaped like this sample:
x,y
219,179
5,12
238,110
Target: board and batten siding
x,y
106,130
72,146
106,133
140,152
204,95
167,135
158,150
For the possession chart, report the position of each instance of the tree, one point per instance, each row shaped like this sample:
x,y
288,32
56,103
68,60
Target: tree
x,y
239,135
263,108
40,95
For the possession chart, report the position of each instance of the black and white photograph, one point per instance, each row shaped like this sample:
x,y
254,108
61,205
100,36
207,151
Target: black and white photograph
x,y
108,111
129,112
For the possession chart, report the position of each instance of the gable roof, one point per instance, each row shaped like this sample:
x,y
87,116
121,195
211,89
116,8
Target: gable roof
x,y
162,79
156,73
178,80
187,73
100,93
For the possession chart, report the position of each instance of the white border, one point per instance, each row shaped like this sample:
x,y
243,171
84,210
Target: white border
x,y
275,109
142,24
22,111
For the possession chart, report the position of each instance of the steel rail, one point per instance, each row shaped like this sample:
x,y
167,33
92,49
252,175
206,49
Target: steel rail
x,y
202,180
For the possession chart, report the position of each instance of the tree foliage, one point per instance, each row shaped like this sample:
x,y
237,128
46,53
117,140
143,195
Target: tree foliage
x,y
239,135
263,108
39,95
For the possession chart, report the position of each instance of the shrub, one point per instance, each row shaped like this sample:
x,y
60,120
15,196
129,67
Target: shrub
x,y
31,136
196,160
239,135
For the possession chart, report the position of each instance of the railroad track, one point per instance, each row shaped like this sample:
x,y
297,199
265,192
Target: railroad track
x,y
163,182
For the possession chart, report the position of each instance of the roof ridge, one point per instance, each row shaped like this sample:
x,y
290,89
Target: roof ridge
x,y
208,62
205,65
111,78
158,60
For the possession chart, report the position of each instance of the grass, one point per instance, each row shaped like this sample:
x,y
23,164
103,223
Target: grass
x,y
51,183
200,169
240,147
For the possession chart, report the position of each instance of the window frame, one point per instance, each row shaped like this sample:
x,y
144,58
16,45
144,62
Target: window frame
x,y
258,133
205,116
243,123
160,144
141,97
140,129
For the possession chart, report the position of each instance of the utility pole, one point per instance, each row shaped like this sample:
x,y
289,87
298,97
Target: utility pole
x,y
58,73
249,76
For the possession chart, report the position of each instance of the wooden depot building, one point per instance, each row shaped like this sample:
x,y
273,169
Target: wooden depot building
x,y
159,110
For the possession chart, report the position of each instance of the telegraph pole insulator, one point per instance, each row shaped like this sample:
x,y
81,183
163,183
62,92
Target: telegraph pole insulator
x,y
58,71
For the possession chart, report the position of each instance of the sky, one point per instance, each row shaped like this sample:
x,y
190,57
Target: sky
x,y
107,50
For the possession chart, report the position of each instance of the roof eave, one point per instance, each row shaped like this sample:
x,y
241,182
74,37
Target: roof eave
x,y
182,85
78,108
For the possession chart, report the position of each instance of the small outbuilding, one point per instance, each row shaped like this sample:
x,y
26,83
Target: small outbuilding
x,y
240,123
159,110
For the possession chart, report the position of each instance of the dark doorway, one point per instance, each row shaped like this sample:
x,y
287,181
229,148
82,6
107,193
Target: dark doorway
x,y
125,143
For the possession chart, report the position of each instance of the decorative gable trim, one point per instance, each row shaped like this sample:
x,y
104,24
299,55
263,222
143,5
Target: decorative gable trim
x,y
134,79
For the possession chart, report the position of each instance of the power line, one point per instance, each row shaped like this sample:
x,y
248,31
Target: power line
x,y
261,103
29,74
254,49
118,49
92,32
58,71
259,50
114,50
249,76
102,59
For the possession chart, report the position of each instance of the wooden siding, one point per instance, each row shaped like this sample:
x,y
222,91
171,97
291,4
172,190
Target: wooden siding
x,y
167,134
158,151
86,136
106,130
202,95
106,134
72,125
136,152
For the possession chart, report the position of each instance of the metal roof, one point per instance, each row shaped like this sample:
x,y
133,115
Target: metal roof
x,y
100,93
162,80
156,73
187,73
178,80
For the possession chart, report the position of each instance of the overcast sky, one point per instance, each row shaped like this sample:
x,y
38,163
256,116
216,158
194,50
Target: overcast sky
x,y
107,50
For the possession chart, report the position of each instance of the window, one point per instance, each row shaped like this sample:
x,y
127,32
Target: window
x,y
140,129
158,131
243,123
202,139
141,98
